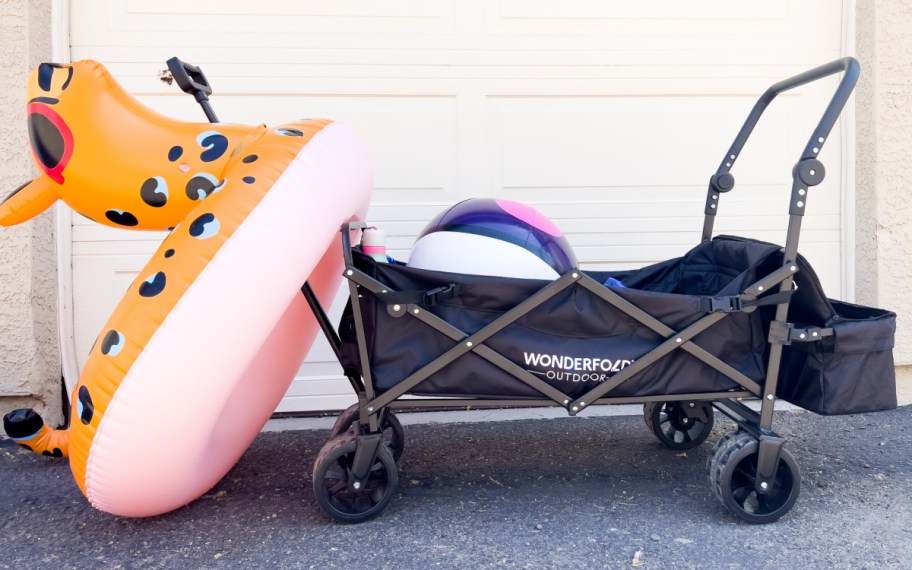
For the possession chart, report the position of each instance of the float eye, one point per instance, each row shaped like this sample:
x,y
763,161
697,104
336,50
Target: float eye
x,y
50,138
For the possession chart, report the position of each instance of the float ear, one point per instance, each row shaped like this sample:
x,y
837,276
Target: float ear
x,y
28,201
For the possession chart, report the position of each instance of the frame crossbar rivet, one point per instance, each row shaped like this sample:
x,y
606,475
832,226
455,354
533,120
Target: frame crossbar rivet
x,y
802,335
764,485
793,268
802,191
396,307
732,157
759,287
800,204
357,485
575,275
575,408
820,139
816,150
349,272
566,402
469,343
769,396
712,206
679,341
582,403
813,334
415,311
370,409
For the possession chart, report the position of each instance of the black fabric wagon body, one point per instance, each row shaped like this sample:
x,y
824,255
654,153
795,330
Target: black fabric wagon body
x,y
575,340
732,320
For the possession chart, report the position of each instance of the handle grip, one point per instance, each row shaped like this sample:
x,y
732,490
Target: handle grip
x,y
847,64
809,171
192,80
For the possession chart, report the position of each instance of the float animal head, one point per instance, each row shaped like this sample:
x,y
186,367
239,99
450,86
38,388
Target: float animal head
x,y
111,158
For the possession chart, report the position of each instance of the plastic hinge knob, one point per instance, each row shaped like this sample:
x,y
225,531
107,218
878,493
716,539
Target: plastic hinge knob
x,y
723,182
810,171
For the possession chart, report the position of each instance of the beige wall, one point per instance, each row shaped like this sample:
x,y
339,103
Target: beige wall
x,y
29,358
884,168
29,355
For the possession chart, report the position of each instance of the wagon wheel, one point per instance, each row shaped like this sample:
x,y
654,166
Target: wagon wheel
x,y
712,458
331,487
393,436
671,424
733,473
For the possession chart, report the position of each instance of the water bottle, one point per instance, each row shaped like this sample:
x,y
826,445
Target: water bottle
x,y
373,243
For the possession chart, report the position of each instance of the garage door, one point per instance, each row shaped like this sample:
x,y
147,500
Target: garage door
x,y
607,116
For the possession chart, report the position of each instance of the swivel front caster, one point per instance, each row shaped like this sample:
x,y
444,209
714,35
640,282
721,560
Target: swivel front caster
x,y
732,467
347,500
393,436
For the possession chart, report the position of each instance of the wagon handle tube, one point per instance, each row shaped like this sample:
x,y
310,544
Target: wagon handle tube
x,y
347,229
722,181
192,81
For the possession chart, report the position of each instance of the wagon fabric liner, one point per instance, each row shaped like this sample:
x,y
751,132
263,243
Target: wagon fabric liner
x,y
575,340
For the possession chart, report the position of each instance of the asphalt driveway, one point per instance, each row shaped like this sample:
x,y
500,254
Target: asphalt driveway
x,y
536,493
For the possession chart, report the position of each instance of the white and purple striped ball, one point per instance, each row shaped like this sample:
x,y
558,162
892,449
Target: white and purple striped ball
x,y
484,236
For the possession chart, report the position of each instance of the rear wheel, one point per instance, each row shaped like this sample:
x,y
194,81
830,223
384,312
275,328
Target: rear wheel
x,y
679,425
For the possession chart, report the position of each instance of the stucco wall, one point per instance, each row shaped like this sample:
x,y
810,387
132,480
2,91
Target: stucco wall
x,y
884,168
29,356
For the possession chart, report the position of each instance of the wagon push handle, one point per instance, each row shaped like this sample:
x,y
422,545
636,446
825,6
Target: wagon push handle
x,y
809,171
192,80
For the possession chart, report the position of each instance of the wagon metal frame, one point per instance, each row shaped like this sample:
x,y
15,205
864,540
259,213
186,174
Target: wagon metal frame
x,y
355,472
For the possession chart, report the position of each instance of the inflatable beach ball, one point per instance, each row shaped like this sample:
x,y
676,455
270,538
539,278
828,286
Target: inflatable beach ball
x,y
483,236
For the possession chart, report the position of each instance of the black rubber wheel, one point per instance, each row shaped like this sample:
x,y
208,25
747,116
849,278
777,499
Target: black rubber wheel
x,y
393,436
671,425
714,454
733,473
330,481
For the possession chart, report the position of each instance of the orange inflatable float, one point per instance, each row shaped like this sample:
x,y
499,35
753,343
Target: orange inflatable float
x,y
204,344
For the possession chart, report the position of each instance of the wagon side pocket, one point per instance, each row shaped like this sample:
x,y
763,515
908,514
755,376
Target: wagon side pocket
x,y
847,373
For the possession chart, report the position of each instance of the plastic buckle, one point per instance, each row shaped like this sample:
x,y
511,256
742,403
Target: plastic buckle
x,y
721,304
809,334
439,294
785,333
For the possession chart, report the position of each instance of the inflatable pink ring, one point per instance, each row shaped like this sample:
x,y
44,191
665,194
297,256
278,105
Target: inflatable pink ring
x,y
205,343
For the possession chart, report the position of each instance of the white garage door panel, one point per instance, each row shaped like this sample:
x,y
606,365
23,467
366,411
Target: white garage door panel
x,y
99,281
609,117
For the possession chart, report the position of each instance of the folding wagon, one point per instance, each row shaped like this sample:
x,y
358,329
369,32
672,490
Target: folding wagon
x,y
734,319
